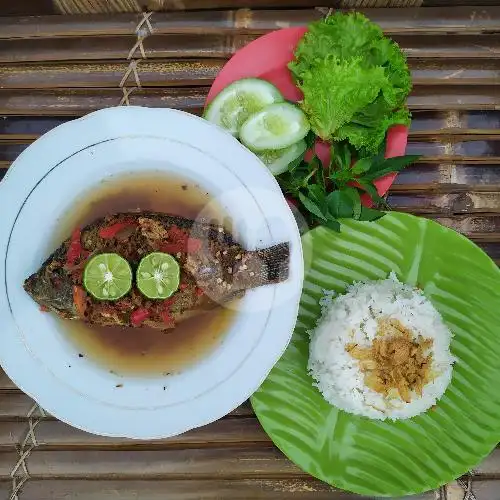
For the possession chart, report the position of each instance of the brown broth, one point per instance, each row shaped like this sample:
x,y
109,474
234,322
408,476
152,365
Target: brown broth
x,y
146,351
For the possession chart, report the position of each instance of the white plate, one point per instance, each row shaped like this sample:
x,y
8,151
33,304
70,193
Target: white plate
x,y
41,186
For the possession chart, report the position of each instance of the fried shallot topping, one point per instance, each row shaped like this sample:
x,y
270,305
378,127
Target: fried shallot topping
x,y
396,363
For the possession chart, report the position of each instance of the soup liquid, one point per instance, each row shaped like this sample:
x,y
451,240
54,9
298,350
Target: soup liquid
x,y
146,351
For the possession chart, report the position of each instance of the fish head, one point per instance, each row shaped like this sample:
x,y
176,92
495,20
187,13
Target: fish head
x,y
52,288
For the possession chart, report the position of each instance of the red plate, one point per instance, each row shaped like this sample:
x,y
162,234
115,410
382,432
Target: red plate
x,y
267,58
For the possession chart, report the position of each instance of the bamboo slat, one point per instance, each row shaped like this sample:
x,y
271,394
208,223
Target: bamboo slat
x,y
425,125
197,72
433,123
118,47
474,98
483,490
77,102
492,249
442,149
447,177
268,489
95,7
472,20
192,45
27,8
475,149
201,72
15,405
171,465
28,128
478,228
52,434
9,152
446,204
41,7
189,464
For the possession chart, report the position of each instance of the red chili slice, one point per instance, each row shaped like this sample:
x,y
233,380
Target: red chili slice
x,y
173,248
139,315
177,234
109,232
166,318
179,242
74,248
168,303
183,286
80,300
44,308
199,292
194,245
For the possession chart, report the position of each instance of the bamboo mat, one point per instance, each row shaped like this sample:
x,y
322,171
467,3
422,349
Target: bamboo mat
x,y
55,68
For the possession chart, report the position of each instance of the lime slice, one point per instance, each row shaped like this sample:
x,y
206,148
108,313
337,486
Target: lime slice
x,y
107,276
158,275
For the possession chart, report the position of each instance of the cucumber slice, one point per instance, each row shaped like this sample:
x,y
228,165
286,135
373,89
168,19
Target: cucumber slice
x,y
239,100
277,160
275,127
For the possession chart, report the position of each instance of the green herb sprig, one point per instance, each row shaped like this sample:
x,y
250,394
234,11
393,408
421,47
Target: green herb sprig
x,y
328,193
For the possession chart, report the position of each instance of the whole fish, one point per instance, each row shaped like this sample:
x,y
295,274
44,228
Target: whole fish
x,y
214,269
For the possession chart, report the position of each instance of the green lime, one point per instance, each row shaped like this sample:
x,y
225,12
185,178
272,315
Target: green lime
x,y
158,275
107,276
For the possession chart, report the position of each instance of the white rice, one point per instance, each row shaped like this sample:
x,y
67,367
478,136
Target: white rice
x,y
352,318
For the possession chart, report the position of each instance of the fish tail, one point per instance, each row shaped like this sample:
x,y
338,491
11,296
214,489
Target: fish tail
x,y
276,262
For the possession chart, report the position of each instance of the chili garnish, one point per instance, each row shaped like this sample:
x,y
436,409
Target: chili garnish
x,y
74,248
139,315
80,300
111,231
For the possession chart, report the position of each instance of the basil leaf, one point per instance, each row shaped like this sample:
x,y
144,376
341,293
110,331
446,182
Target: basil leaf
x,y
318,195
372,191
332,224
353,195
345,152
320,178
340,204
312,167
311,206
362,166
340,156
310,139
315,192
294,164
390,165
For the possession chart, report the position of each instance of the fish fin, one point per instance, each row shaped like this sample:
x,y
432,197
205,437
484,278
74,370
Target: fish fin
x,y
276,262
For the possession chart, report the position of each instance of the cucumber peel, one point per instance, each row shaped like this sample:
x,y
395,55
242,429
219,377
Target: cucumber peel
x,y
278,160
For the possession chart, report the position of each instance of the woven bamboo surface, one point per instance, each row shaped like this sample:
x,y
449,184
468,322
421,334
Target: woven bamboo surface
x,y
54,68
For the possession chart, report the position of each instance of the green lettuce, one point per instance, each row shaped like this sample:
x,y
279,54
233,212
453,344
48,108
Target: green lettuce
x,y
355,81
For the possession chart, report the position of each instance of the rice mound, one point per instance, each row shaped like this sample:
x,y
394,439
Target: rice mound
x,y
353,318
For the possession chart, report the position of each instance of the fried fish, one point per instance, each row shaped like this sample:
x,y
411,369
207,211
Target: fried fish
x,y
214,270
